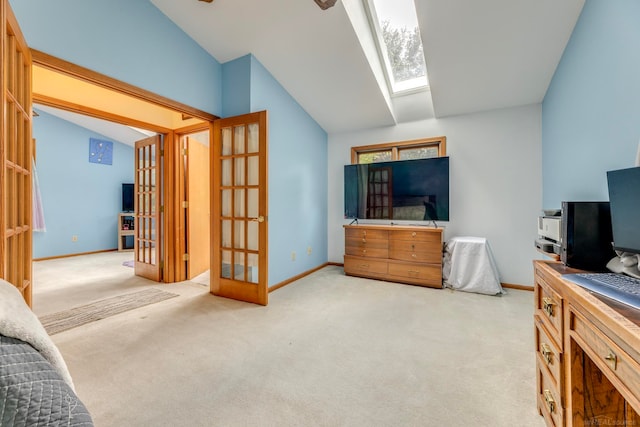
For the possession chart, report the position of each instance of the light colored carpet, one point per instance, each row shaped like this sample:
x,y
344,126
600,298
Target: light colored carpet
x,y
64,320
328,350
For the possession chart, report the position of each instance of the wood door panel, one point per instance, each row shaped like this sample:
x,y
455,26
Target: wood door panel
x,y
16,155
239,208
147,251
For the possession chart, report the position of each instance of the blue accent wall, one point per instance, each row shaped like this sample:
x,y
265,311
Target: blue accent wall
x,y
130,40
590,114
297,179
79,198
297,168
236,88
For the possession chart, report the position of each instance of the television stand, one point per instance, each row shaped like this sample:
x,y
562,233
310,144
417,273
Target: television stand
x,y
396,253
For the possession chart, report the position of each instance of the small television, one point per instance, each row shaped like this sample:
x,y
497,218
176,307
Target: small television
x,y
128,202
416,190
624,199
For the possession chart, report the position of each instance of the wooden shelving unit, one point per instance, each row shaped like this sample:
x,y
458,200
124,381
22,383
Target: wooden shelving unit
x,y
126,227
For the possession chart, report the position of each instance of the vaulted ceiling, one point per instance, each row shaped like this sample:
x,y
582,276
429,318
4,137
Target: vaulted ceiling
x,y
481,55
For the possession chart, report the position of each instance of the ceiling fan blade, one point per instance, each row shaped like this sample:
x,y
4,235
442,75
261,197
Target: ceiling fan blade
x,y
325,4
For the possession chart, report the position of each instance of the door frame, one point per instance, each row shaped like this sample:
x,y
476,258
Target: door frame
x,y
171,269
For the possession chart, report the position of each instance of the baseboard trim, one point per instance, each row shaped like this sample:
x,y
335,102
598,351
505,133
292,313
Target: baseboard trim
x,y
519,287
72,255
504,285
299,276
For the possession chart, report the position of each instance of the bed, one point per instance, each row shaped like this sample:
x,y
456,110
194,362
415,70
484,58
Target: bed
x,y
36,388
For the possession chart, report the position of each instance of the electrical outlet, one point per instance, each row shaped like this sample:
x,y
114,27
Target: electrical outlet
x,y
293,256
74,238
308,250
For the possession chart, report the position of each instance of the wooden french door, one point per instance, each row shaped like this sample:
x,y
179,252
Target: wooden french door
x,y
16,153
239,208
147,251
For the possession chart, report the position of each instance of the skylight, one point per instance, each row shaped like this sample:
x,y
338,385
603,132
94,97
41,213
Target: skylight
x,y
395,25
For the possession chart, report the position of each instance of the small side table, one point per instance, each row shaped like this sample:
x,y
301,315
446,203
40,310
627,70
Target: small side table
x,y
469,266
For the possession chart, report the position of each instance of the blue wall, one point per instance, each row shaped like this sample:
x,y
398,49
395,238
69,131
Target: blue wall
x,y
130,40
236,87
590,114
297,168
297,179
79,198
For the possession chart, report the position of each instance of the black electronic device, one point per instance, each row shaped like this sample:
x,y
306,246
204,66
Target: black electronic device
x,y
624,197
416,190
128,201
586,235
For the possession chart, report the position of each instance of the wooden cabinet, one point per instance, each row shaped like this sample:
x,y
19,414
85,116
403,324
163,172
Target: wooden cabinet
x,y
587,353
126,231
395,253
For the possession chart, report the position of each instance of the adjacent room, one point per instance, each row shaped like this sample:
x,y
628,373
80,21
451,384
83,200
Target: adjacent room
x,y
352,212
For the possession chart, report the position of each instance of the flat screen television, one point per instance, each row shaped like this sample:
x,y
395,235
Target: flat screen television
x,y
416,190
128,202
624,200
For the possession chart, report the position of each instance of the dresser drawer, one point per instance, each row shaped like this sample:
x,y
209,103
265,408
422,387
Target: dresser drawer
x,y
359,233
549,308
364,266
417,251
616,364
416,236
548,354
365,251
418,274
549,401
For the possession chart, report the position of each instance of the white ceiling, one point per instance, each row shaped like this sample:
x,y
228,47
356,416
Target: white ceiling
x,y
481,55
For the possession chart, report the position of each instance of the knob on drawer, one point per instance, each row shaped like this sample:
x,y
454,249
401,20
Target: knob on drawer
x,y
546,352
547,306
548,398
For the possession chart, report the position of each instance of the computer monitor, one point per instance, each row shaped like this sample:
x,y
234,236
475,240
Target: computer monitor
x,y
624,198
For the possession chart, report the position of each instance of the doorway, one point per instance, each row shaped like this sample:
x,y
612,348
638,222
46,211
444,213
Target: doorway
x,y
67,86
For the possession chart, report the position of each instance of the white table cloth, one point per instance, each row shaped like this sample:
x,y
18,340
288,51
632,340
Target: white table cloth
x,y
469,266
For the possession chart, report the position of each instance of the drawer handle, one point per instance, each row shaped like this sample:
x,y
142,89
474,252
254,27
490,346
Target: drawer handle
x,y
612,360
413,234
546,352
413,272
364,240
548,398
364,251
364,266
413,255
547,306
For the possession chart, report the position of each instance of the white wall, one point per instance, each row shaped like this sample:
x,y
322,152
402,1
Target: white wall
x,y
495,181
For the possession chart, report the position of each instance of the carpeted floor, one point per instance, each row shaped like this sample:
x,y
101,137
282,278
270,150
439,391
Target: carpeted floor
x,y
328,350
78,316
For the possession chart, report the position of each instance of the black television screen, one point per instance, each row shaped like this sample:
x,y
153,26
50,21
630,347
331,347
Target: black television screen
x,y
127,198
416,190
624,199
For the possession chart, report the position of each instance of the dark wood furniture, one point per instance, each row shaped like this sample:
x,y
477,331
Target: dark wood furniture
x,y
587,353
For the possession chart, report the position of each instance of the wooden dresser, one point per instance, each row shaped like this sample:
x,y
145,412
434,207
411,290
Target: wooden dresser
x,y
396,253
587,353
